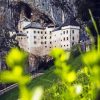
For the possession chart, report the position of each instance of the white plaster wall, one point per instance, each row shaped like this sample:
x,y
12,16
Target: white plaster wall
x,y
23,42
71,35
40,48
56,38
52,39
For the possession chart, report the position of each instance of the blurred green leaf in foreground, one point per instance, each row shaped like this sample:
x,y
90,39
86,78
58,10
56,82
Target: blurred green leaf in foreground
x,y
16,61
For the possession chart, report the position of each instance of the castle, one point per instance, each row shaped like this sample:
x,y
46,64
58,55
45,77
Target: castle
x,y
37,39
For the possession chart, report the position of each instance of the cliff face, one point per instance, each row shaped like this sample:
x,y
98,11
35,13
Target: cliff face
x,y
58,13
57,10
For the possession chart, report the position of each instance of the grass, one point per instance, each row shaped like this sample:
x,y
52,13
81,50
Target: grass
x,y
46,81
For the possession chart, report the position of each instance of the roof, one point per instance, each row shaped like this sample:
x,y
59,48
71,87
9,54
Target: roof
x,y
24,19
50,25
21,34
35,25
70,21
57,29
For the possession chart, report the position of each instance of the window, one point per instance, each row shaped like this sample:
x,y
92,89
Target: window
x,y
64,45
50,32
45,32
72,43
45,42
67,45
34,31
73,38
50,37
67,38
45,46
27,31
38,32
50,42
34,42
41,32
42,37
67,31
72,31
41,42
64,38
64,32
34,37
45,37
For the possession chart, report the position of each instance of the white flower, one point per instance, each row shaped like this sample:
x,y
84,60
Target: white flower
x,y
78,89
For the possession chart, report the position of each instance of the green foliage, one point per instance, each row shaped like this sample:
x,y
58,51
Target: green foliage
x,y
83,84
16,61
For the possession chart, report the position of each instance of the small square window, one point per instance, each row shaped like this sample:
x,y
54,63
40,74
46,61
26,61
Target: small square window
x,y
73,38
34,37
64,32
34,31
41,42
50,42
72,43
42,37
34,42
72,31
